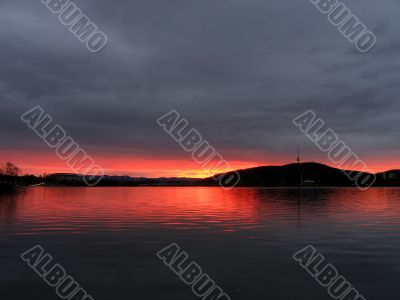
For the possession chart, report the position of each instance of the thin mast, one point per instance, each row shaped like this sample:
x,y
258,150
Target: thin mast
x,y
298,159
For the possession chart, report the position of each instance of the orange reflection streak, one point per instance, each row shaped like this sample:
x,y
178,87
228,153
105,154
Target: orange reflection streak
x,y
113,207
79,209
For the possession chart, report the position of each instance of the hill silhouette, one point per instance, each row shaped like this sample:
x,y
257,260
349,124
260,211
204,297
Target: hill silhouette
x,y
305,174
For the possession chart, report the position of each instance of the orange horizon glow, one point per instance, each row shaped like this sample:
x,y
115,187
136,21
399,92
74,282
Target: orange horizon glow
x,y
38,163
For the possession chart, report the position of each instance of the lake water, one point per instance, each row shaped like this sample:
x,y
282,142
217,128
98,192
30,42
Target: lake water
x,y
107,239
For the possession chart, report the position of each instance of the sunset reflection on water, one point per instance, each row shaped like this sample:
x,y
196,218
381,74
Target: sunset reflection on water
x,y
244,237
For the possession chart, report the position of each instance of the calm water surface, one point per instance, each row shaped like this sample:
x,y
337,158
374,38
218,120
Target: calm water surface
x,y
107,239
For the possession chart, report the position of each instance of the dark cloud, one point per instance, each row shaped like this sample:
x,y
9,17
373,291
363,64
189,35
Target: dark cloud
x,y
239,71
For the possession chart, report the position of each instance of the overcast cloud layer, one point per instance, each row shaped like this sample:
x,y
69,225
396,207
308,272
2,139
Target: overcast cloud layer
x,y
239,71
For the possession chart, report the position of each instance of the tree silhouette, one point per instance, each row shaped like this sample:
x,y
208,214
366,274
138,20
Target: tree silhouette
x,y
9,169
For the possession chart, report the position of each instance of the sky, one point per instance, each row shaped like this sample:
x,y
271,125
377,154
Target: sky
x,y
238,71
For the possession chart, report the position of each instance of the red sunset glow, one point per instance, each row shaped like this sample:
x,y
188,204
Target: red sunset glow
x,y
47,162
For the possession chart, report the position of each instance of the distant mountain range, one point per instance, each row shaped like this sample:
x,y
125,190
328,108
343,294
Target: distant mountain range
x,y
291,175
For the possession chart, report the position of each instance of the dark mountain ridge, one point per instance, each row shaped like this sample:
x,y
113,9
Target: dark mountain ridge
x,y
308,174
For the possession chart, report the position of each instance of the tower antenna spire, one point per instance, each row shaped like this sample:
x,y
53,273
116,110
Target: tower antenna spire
x,y
298,159
298,155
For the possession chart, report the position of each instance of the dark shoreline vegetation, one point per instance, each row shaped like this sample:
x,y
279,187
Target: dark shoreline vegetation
x,y
291,175
11,180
